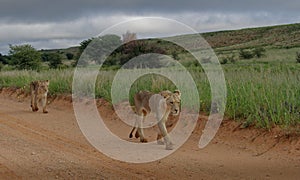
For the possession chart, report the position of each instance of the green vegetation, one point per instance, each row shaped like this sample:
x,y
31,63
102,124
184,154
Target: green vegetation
x,y
259,94
70,56
25,57
264,95
262,76
298,57
54,60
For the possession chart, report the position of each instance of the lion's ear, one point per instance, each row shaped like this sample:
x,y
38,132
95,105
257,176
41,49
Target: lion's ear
x,y
178,93
165,94
47,82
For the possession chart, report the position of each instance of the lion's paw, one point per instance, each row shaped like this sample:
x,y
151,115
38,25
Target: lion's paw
x,y
160,142
144,140
170,146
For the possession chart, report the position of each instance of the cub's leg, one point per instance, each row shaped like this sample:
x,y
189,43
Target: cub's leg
x,y
159,139
162,127
33,98
140,131
160,116
130,135
133,129
137,134
44,104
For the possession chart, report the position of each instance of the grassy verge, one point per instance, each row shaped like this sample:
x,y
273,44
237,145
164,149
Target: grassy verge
x,y
263,95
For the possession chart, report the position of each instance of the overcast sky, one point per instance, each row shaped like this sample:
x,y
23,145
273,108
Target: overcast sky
x,y
64,23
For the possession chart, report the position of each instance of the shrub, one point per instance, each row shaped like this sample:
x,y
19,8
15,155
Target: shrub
x,y
70,56
54,60
232,58
25,57
1,66
259,52
224,60
246,54
175,55
228,58
298,57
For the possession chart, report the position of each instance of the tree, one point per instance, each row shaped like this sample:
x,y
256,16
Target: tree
x,y
84,44
128,36
54,60
70,56
3,59
25,57
97,47
134,49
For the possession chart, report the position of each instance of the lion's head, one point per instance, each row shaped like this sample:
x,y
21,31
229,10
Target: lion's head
x,y
43,86
172,101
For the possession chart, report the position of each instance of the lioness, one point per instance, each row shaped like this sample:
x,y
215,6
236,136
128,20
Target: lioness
x,y
162,105
39,90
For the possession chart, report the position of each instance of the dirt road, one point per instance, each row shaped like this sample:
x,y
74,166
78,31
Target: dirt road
x,y
51,146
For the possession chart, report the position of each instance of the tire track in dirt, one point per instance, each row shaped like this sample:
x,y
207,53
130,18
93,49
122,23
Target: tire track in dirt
x,y
36,145
41,136
5,171
50,140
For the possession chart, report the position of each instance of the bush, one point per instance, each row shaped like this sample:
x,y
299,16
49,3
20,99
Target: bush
x,y
229,58
54,60
175,55
25,57
246,54
298,57
1,66
3,59
70,56
259,52
232,59
224,60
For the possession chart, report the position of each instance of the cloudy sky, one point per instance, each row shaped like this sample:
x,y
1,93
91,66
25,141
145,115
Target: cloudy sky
x,y
64,23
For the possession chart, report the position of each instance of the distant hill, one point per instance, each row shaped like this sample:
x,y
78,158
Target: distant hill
x,y
280,36
63,52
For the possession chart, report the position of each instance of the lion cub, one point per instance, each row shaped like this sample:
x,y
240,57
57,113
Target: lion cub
x,y
162,104
39,90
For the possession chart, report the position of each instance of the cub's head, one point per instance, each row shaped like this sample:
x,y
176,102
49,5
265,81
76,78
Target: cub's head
x,y
172,101
43,86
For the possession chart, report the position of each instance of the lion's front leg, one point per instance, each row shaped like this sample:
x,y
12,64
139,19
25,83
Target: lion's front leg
x,y
35,103
159,138
44,104
164,133
34,98
32,102
140,130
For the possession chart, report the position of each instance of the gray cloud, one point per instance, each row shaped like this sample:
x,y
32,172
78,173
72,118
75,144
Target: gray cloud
x,y
62,10
61,23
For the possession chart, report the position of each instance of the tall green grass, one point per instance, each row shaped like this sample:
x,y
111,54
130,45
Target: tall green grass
x,y
263,95
61,80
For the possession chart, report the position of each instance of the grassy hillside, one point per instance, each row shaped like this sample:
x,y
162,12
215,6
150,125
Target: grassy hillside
x,y
281,36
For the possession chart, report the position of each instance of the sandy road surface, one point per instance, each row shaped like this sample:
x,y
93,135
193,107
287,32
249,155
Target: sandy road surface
x,y
51,146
